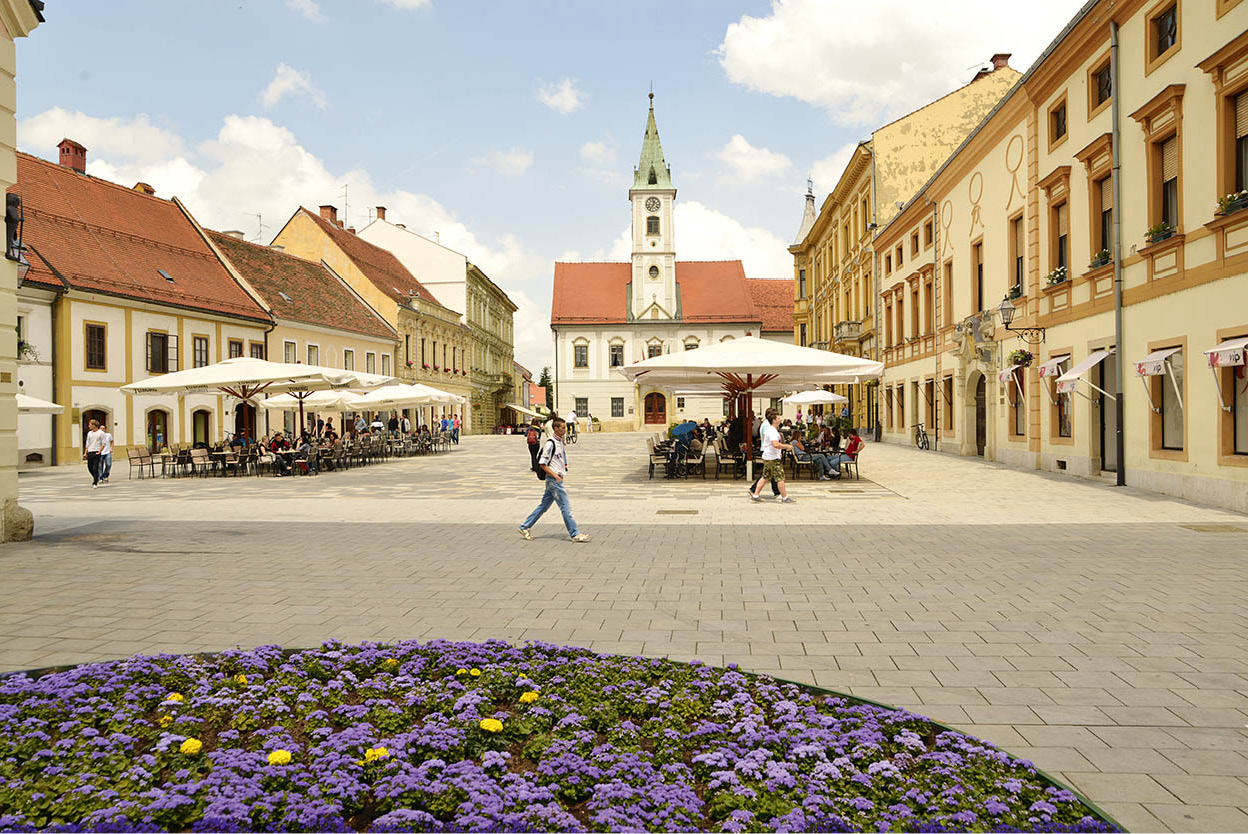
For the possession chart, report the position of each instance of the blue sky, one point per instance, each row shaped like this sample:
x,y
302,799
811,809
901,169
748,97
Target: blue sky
x,y
510,128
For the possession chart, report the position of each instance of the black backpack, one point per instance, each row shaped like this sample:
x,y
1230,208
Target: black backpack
x,y
537,467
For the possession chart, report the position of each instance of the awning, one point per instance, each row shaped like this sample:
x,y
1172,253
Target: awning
x,y
33,405
1051,367
528,412
1005,377
1068,383
1229,354
1157,363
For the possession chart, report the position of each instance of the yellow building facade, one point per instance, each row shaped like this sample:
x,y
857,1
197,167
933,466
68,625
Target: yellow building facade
x,y
835,260
1027,211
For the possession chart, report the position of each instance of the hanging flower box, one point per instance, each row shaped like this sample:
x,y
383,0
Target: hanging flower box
x,y
1156,234
1021,357
1232,203
1057,276
1100,258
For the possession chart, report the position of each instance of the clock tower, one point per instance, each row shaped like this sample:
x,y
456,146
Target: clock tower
x,y
654,242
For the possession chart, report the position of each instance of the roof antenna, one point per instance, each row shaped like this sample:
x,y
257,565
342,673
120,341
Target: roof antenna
x,y
345,205
260,227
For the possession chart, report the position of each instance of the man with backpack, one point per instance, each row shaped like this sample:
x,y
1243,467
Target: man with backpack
x,y
551,466
534,438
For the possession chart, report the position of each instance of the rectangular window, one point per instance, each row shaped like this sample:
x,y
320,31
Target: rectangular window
x,y
385,364
801,329
407,347
1018,405
888,407
1165,31
946,291
866,217
1018,253
977,267
1061,236
160,350
901,320
199,351
901,408
914,245
1057,123
801,283
914,311
888,264
582,406
1103,85
680,403
1170,181
580,356
348,360
370,363
617,356
898,253
235,348
290,352
617,406
257,350
654,350
927,307
946,404
422,352
1238,399
1241,141
96,340
314,355
927,234
1171,407
1105,202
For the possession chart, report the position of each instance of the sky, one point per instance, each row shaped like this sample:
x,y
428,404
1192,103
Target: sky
x,y
507,129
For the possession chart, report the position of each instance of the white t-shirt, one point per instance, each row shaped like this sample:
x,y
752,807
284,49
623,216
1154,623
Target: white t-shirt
x,y
554,455
108,443
570,417
770,434
96,440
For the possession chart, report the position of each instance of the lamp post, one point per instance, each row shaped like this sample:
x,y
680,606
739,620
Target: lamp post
x,y
1031,335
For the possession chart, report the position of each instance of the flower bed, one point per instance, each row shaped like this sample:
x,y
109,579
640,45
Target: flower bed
x,y
470,737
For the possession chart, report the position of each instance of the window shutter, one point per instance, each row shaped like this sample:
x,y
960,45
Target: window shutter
x,y
1107,194
1063,214
1241,115
172,355
149,353
1169,159
1020,245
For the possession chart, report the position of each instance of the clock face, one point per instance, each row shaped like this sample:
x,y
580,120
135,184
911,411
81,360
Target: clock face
x,y
652,204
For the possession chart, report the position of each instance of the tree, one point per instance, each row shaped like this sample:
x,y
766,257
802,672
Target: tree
x,y
544,381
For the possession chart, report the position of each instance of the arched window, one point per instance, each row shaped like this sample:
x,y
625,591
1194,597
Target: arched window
x,y
654,178
652,225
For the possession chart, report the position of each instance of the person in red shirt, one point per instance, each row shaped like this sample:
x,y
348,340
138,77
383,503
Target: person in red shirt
x,y
851,453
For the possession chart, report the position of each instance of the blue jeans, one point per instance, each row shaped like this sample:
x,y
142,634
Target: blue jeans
x,y
554,494
106,466
818,461
835,461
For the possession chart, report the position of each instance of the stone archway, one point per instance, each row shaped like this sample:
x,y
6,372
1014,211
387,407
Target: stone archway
x,y
976,431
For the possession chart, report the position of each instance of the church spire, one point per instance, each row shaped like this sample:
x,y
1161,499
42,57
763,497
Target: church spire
x,y
652,170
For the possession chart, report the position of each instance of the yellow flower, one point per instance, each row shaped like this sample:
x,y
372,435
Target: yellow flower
x,y
166,720
461,671
528,697
279,757
390,661
491,725
240,679
191,746
476,673
176,697
372,754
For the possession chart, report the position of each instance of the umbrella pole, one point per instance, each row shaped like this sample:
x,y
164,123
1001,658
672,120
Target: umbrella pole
x,y
301,417
749,443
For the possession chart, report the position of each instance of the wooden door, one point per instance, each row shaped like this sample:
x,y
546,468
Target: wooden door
x,y
157,429
245,420
656,409
981,416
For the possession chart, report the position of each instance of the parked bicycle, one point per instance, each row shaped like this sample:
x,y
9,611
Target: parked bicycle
x,y
920,437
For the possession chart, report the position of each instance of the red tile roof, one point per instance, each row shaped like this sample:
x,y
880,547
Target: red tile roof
x,y
537,395
773,299
102,237
379,265
300,290
710,291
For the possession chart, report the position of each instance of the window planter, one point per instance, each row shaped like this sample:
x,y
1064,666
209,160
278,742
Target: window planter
x,y
1057,276
1158,233
1016,291
1232,203
1097,263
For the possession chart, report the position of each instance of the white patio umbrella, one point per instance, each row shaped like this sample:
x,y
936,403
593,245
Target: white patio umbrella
x,y
245,378
319,401
815,398
404,395
33,405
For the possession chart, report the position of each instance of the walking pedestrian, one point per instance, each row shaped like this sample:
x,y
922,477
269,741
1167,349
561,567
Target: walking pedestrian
x,y
534,438
773,468
91,449
106,456
553,460
455,429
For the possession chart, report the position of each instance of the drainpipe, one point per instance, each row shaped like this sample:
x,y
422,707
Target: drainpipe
x,y
936,288
56,418
878,325
1121,479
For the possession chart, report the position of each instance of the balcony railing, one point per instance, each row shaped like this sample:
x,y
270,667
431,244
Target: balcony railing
x,y
848,331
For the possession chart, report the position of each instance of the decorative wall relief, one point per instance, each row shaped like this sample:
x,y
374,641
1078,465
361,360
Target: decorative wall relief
x,y
946,220
1013,164
975,190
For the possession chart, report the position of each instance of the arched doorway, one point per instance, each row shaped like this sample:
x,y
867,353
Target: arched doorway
x,y
157,429
200,422
656,409
98,415
981,415
245,420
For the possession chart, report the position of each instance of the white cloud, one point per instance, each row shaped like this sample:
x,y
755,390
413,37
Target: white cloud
x,y
705,234
745,163
289,81
827,172
511,162
603,153
563,97
307,8
407,4
253,166
890,60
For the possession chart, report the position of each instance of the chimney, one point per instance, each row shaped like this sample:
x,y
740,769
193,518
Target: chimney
x,y
400,225
351,229
234,233
277,247
330,213
144,188
381,212
73,155
1001,61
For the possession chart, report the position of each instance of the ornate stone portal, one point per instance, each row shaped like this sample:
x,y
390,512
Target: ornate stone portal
x,y
976,352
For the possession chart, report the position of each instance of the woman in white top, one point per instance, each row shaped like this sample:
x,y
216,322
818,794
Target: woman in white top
x,y
97,440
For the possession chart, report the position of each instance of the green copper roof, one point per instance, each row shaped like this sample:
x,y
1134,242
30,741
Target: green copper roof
x,y
652,170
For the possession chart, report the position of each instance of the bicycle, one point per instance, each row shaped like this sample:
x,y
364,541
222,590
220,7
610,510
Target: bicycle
x,y
920,438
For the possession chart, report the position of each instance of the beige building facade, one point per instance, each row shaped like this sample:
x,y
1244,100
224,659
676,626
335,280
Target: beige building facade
x,y
1027,211
835,261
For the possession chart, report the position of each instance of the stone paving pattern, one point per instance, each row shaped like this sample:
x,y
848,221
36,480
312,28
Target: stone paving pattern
x,y
1098,631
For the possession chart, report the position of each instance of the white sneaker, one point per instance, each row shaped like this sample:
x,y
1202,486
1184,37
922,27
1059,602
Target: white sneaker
x,y
526,535
581,537
786,500
95,486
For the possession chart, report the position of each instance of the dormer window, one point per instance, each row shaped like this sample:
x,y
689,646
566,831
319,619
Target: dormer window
x,y
165,275
654,178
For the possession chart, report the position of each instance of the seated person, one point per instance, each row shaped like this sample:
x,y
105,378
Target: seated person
x,y
306,455
695,444
276,445
851,453
818,461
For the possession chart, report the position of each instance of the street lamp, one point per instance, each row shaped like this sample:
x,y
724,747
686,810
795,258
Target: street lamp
x,y
1031,335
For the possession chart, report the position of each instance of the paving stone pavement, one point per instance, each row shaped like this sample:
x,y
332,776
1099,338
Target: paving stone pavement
x,y
1098,631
